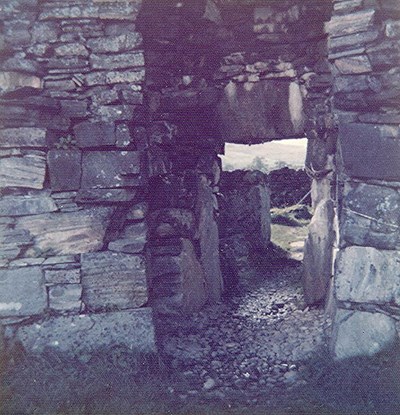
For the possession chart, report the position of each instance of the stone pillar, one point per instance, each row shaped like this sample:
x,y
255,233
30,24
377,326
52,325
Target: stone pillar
x,y
364,53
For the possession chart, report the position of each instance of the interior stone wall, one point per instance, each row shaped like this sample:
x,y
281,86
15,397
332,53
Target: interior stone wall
x,y
113,114
73,176
364,52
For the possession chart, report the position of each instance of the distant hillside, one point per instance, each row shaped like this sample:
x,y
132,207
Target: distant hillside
x,y
267,156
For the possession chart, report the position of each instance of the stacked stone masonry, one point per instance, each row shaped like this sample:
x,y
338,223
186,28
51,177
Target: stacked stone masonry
x,y
113,113
364,56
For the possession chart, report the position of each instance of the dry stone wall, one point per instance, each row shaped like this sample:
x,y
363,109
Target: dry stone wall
x,y
365,56
73,176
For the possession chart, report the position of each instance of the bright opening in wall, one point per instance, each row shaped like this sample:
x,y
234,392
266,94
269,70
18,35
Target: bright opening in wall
x,y
282,163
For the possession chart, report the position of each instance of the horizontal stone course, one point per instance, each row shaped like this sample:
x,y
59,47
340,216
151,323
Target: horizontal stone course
x,y
65,297
26,205
23,137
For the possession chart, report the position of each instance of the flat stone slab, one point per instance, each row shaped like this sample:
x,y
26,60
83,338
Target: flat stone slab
x,y
82,335
111,279
368,275
66,233
23,137
28,171
22,292
64,169
26,205
380,154
359,333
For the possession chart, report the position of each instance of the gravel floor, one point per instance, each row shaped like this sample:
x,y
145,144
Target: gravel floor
x,y
260,351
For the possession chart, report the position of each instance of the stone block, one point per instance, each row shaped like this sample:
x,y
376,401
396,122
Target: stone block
x,y
128,245
23,137
123,137
27,171
110,169
112,113
250,113
385,55
138,211
26,205
135,230
64,169
347,24
181,223
85,335
66,233
65,297
115,280
106,195
116,43
371,216
22,292
368,275
118,61
45,32
71,49
318,253
368,153
358,333
94,134
62,276
178,283
10,81
12,241
392,29
74,108
353,64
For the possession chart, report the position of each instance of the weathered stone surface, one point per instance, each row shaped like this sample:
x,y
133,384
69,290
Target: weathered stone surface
x,y
119,61
353,64
110,169
66,233
260,111
117,43
23,137
105,195
10,81
74,108
358,333
177,283
115,77
94,134
138,211
62,276
64,169
82,335
365,139
371,216
181,223
22,292
26,205
384,55
392,29
368,275
71,49
209,240
350,23
111,279
135,230
128,245
12,240
113,113
110,10
123,136
65,297
318,253
28,171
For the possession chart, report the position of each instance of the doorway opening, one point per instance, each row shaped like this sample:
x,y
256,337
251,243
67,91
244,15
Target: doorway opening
x,y
265,208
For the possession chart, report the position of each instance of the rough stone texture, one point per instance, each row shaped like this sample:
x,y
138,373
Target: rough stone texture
x,y
80,336
110,169
66,233
350,23
128,245
363,275
177,283
62,276
105,195
22,292
371,216
28,171
10,81
256,112
23,137
65,297
209,240
26,205
318,253
64,169
111,279
94,134
361,333
356,139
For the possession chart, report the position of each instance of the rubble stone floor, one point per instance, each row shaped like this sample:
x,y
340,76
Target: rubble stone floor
x,y
260,351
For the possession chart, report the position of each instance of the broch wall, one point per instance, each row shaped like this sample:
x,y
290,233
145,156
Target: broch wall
x,y
113,115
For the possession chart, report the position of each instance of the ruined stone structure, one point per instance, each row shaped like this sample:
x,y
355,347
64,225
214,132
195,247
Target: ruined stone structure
x,y
113,115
